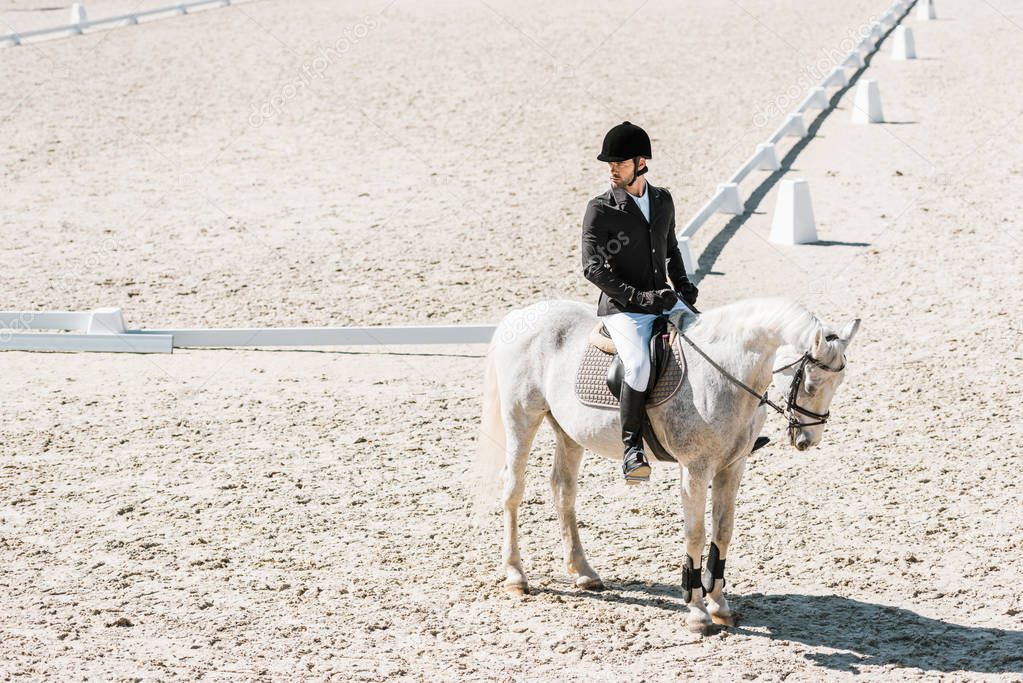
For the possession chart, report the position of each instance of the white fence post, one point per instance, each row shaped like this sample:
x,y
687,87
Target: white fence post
x,y
853,60
106,321
730,201
79,19
836,79
768,157
816,99
687,255
796,126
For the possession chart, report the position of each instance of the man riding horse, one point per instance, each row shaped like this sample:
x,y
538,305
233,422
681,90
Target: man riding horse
x,y
630,251
708,425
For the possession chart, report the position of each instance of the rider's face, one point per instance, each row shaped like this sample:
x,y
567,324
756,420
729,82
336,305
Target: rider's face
x,y
623,172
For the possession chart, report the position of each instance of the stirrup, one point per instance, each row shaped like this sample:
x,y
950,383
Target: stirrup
x,y
640,471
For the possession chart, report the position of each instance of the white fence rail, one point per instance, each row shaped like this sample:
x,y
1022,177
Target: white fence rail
x,y
79,23
103,330
727,198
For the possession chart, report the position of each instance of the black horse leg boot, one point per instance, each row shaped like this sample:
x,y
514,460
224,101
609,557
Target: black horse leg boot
x,y
634,466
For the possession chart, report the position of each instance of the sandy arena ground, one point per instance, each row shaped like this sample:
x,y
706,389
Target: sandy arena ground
x,y
257,515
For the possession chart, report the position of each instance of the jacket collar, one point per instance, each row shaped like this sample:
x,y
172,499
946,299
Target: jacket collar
x,y
620,197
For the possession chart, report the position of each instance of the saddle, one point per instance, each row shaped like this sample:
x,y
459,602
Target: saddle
x,y
600,376
660,344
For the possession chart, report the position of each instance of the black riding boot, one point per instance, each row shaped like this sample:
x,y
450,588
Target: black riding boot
x,y
634,466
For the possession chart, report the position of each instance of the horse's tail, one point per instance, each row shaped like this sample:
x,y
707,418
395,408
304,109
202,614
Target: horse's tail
x,y
490,445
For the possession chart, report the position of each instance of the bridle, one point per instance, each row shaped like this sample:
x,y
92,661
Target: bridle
x,y
791,409
797,380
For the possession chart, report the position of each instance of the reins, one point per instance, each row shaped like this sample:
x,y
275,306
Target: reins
x,y
738,382
792,407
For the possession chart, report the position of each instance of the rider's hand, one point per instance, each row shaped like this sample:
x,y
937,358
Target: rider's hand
x,y
655,301
688,293
666,299
646,300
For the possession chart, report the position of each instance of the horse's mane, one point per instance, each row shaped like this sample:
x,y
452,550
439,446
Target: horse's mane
x,y
779,318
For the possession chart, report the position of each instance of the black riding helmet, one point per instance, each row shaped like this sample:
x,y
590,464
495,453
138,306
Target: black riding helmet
x,y
625,141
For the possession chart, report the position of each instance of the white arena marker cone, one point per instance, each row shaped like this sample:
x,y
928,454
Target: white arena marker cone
x,y
867,105
78,17
768,157
904,46
730,201
793,221
925,10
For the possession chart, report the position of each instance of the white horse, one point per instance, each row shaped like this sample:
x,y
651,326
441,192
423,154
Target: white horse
x,y
709,425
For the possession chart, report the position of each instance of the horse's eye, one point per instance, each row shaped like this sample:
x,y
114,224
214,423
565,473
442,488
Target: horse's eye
x,y
810,388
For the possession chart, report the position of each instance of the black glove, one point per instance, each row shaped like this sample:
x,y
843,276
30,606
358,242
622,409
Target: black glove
x,y
688,293
666,299
655,301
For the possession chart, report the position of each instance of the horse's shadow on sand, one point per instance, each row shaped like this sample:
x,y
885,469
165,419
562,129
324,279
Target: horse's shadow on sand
x,y
865,634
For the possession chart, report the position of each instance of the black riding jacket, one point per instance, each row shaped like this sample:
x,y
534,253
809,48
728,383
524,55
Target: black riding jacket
x,y
623,254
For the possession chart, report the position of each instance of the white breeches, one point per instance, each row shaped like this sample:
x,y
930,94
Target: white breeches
x,y
631,334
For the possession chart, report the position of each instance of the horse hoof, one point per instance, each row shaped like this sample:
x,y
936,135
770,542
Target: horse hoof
x,y
700,628
703,628
700,624
589,583
723,619
518,590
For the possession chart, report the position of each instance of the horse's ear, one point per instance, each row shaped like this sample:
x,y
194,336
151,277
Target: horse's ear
x,y
819,341
850,331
